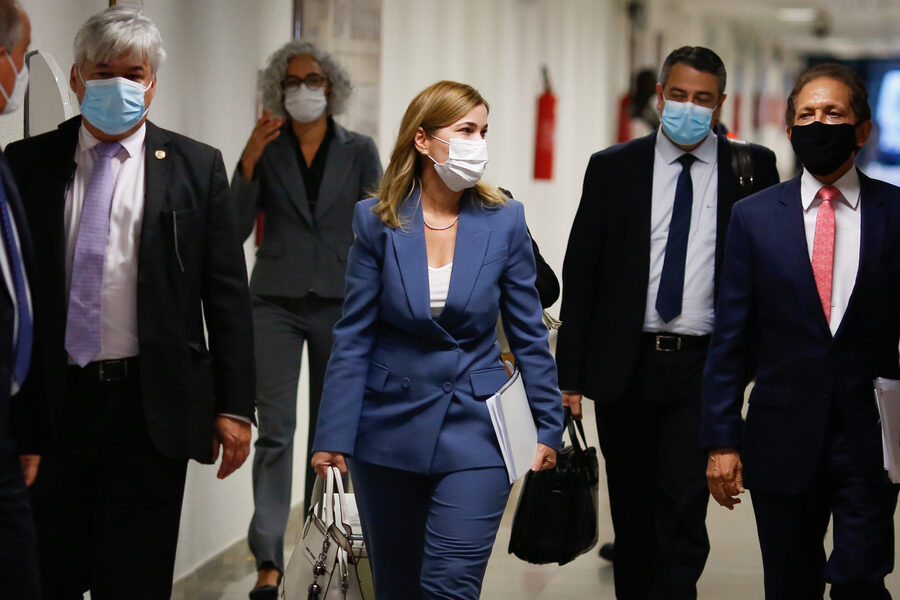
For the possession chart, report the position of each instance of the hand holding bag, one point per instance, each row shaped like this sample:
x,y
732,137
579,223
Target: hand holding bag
x,y
556,517
324,563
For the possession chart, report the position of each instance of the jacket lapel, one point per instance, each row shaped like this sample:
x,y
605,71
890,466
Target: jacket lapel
x,y
472,237
793,237
60,172
157,164
287,170
872,232
339,158
412,258
639,189
726,196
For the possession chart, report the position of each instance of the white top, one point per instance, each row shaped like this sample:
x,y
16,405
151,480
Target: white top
x,y
847,227
10,285
438,286
697,307
118,329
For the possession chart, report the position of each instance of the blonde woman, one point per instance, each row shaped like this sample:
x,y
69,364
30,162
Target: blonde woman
x,y
437,256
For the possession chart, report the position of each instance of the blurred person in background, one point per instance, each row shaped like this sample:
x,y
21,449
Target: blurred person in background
x,y
642,114
304,173
437,256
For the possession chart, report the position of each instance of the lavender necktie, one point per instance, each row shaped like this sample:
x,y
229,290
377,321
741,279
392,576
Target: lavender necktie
x,y
83,320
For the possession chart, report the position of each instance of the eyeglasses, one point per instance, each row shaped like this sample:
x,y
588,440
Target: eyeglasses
x,y
313,81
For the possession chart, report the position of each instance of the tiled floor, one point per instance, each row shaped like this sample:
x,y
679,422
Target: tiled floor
x,y
733,572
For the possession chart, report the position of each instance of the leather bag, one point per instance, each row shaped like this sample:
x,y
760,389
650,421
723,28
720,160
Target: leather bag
x,y
556,516
324,563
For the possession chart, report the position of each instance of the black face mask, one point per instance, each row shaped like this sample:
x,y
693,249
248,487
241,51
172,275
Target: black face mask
x,y
823,148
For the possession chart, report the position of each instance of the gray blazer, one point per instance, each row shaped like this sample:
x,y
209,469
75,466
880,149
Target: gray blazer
x,y
301,252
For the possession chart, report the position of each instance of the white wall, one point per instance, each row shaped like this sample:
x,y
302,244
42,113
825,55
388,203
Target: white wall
x,y
498,46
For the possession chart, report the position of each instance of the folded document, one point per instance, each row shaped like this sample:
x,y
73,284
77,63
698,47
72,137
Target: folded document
x,y
514,426
887,395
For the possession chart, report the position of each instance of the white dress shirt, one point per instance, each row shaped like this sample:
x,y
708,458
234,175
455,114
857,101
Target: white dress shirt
x,y
697,306
438,287
847,227
118,329
10,286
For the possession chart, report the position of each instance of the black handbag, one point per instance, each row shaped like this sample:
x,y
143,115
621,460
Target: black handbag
x,y
556,517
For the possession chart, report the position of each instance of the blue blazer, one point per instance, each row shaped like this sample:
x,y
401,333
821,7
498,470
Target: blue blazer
x,y
770,324
407,391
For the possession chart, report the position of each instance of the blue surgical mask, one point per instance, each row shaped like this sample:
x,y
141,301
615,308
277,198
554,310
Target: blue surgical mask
x,y
686,123
113,105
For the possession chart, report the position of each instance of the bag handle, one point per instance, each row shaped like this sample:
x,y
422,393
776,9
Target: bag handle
x,y
341,505
337,506
572,425
328,500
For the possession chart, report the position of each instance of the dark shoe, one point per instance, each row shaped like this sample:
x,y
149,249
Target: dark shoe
x,y
607,551
264,592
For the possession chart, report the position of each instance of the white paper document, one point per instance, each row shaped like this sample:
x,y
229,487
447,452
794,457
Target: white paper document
x,y
514,426
887,395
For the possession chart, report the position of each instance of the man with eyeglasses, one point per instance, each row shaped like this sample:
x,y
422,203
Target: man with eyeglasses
x,y
303,173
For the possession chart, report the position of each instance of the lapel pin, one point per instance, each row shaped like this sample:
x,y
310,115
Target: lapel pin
x,y
160,154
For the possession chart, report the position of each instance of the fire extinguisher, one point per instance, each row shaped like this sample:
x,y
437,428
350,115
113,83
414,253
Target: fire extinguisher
x,y
546,123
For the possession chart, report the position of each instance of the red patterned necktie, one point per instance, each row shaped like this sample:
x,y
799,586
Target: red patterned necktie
x,y
823,246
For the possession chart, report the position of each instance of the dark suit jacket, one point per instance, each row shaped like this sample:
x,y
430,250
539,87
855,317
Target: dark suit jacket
x,y
303,252
191,265
21,420
406,390
770,315
607,266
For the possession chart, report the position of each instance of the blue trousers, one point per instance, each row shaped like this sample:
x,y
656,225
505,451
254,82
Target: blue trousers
x,y
429,536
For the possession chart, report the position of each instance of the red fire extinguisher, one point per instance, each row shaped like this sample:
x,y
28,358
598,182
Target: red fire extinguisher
x,y
546,123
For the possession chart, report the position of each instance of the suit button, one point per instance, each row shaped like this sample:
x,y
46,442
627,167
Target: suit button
x,y
448,387
405,383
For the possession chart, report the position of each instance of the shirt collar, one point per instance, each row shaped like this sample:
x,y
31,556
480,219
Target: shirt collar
x,y
848,185
132,144
705,152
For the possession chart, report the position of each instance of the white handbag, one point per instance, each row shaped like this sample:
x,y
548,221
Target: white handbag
x,y
324,563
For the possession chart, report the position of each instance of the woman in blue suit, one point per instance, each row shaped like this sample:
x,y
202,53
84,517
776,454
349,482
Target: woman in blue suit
x,y
437,255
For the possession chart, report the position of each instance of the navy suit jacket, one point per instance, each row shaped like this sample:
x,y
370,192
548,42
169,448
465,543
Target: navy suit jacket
x,y
607,266
407,391
770,324
21,419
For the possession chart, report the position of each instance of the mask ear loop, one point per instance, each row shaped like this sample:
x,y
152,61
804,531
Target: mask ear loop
x,y
431,157
2,89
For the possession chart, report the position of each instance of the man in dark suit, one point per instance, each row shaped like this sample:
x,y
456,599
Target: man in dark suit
x,y
639,282
20,419
810,306
136,249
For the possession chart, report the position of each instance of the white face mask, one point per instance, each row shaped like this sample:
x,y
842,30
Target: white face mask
x,y
465,163
17,98
305,105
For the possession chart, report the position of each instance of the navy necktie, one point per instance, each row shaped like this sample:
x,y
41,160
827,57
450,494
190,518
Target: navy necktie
x,y
671,283
22,343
